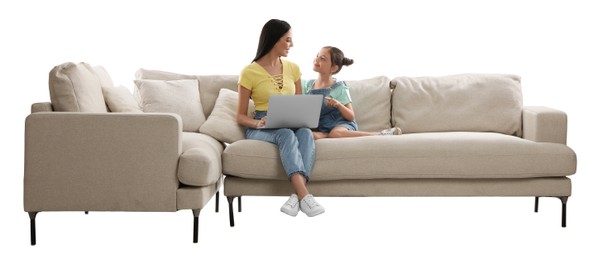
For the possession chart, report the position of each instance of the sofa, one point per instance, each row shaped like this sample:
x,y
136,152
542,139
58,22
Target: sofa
x,y
463,135
171,143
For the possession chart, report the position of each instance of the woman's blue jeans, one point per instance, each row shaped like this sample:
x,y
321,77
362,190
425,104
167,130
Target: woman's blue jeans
x,y
296,146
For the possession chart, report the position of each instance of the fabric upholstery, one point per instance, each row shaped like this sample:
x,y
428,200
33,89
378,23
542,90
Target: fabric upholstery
x,y
200,163
561,186
543,124
209,85
193,197
41,107
173,96
103,76
161,75
371,103
464,102
222,122
101,161
75,87
120,99
423,155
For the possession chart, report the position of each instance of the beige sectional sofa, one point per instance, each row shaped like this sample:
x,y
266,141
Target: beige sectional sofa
x,y
167,146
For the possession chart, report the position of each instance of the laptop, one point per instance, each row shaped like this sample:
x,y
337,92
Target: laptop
x,y
293,111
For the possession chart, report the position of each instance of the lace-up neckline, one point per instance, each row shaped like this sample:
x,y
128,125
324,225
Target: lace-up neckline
x,y
278,81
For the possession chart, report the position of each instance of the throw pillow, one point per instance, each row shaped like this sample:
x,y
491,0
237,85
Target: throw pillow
x,y
161,75
120,99
75,87
209,85
222,122
103,76
209,88
173,96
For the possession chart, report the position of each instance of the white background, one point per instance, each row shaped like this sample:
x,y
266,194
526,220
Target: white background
x,y
552,45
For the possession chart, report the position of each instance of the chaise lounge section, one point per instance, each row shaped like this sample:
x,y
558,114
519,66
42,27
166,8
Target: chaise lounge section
x,y
93,148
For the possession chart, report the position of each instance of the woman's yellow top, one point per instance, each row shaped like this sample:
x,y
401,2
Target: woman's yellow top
x,y
261,84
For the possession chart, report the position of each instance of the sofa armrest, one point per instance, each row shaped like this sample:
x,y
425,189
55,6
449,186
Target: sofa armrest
x,y
201,161
544,124
41,107
101,161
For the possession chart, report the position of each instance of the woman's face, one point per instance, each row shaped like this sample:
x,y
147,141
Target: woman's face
x,y
284,44
323,62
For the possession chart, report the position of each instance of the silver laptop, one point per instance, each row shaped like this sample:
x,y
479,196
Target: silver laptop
x,y
294,111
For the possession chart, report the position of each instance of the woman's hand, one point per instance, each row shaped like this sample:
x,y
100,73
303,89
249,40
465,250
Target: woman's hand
x,y
261,123
331,102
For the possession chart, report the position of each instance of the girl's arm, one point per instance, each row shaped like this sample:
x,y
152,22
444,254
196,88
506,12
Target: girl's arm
x,y
243,107
346,110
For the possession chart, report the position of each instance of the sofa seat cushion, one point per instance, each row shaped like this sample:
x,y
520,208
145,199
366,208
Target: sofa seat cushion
x,y
421,155
200,163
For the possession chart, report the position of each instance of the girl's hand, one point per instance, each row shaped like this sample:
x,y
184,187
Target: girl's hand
x,y
331,102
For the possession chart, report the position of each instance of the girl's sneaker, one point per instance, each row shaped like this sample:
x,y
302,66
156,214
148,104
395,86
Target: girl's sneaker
x,y
391,131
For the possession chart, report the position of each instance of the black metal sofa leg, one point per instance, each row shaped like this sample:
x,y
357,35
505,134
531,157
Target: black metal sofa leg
x,y
195,224
32,227
563,209
231,216
217,201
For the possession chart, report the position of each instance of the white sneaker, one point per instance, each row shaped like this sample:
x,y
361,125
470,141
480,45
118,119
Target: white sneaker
x,y
291,207
310,206
391,131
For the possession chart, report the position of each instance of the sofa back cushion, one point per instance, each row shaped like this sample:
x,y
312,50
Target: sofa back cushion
x,y
77,87
464,102
209,85
371,102
179,96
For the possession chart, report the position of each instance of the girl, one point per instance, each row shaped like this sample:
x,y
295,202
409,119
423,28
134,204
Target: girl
x,y
337,118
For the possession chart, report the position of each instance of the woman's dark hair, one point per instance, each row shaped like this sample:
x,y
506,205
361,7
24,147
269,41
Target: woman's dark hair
x,y
271,33
338,58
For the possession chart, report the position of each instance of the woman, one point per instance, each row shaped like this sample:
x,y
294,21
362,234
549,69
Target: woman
x,y
337,118
269,74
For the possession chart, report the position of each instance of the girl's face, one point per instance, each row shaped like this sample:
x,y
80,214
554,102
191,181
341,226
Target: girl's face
x,y
323,62
284,44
